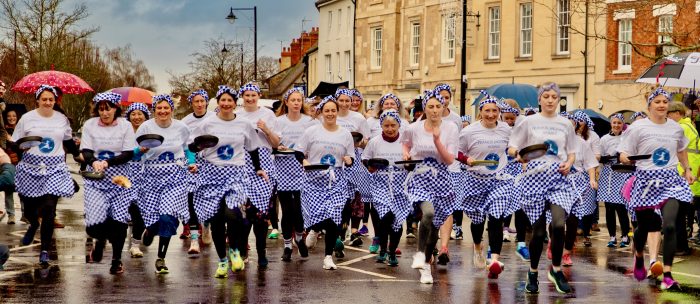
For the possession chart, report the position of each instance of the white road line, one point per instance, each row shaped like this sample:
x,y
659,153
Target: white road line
x,y
353,261
380,280
687,274
357,249
24,247
367,272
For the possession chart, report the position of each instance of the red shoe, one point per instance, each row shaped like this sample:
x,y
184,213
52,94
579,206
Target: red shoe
x,y
549,250
398,251
495,268
185,232
566,260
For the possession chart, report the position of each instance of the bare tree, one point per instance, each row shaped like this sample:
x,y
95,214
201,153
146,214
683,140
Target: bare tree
x,y
127,71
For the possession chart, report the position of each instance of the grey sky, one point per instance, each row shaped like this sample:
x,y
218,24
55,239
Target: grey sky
x,y
163,33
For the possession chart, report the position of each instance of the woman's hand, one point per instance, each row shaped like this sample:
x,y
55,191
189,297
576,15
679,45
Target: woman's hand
x,y
262,174
436,134
624,159
689,177
143,149
99,165
347,160
564,168
594,183
192,168
262,126
282,148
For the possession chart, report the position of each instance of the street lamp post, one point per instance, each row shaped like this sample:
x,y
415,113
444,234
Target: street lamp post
x,y
232,18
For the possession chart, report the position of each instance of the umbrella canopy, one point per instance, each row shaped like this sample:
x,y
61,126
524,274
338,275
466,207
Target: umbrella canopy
x,y
524,94
325,88
601,123
133,94
680,70
67,82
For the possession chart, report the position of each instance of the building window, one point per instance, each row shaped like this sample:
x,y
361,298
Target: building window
x,y
376,55
330,24
526,30
448,38
329,68
624,49
340,21
563,23
665,34
494,45
415,44
348,65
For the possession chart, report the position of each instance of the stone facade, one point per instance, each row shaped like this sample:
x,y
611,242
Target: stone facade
x,y
334,59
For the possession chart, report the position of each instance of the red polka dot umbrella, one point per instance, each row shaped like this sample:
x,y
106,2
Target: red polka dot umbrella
x,y
67,82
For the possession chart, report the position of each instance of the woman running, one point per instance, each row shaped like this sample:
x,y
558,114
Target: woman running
x,y
584,183
136,114
107,145
658,189
324,193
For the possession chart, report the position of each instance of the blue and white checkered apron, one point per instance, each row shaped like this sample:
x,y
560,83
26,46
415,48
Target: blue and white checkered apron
x,y
218,182
164,190
653,187
430,182
358,178
134,175
323,196
457,179
257,189
542,182
585,201
105,199
290,173
41,175
610,184
513,167
388,194
193,180
488,194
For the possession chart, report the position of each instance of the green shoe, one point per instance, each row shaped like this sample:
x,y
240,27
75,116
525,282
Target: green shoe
x,y
393,261
381,258
222,270
160,266
237,263
274,234
374,248
339,249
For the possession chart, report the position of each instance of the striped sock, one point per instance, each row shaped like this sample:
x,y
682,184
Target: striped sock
x,y
288,243
298,236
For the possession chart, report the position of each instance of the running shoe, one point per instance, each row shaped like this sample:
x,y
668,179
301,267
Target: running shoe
x,y
29,235
355,240
134,249
311,239
640,273
655,269
670,284
328,263
287,254
478,259
185,232
426,276
532,285
511,230
274,234
566,260
418,260
98,251
263,262
381,258
393,261
444,257
363,230
613,242
495,268
147,238
237,263
559,281
453,233
44,258
11,220
374,247
523,253
339,249
303,250
222,269
587,242
625,242
160,266
206,236
117,267
194,245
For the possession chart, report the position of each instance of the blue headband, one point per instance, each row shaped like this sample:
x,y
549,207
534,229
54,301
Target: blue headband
x,y
432,94
199,92
466,118
657,92
357,94
443,87
547,87
390,114
46,87
566,115
618,116
249,87
291,91
389,96
224,89
487,99
162,97
111,97
138,106
339,92
638,114
323,102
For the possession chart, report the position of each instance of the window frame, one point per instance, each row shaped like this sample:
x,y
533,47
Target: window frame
x,y
493,44
448,40
524,43
414,50
376,48
563,37
624,34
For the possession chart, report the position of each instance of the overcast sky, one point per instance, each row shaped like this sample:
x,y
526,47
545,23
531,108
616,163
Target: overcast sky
x,y
163,33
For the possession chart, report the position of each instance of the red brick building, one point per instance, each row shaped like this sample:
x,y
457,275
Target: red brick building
x,y
291,55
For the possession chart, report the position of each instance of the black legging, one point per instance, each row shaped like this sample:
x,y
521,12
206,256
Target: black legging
x,y
521,224
368,211
259,226
112,231
457,217
274,206
495,233
649,221
193,222
539,231
224,223
292,219
570,227
681,225
331,234
137,224
384,230
46,205
621,210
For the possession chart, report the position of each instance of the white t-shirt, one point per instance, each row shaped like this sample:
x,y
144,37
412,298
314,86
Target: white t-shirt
x,y
325,147
585,158
481,143
421,142
107,141
291,131
53,130
193,123
453,117
375,128
259,140
557,132
175,143
354,122
662,141
235,138
609,143
594,142
377,147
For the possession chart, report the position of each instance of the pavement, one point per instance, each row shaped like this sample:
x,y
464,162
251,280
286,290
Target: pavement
x,y
599,275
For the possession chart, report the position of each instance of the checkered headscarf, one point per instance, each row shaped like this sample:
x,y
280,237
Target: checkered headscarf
x,y
388,96
487,99
339,92
228,90
46,87
657,92
427,94
323,102
293,90
466,118
443,87
638,114
547,87
618,116
199,92
530,111
566,115
249,87
357,93
392,114
162,97
506,108
111,97
138,106
581,117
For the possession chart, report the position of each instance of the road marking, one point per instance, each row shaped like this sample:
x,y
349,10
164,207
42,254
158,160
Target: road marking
x,y
380,280
367,272
357,249
687,274
353,261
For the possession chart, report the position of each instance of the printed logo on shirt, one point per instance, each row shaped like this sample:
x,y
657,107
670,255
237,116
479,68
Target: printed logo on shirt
x,y
328,160
105,155
661,157
225,152
47,145
166,156
492,156
552,148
